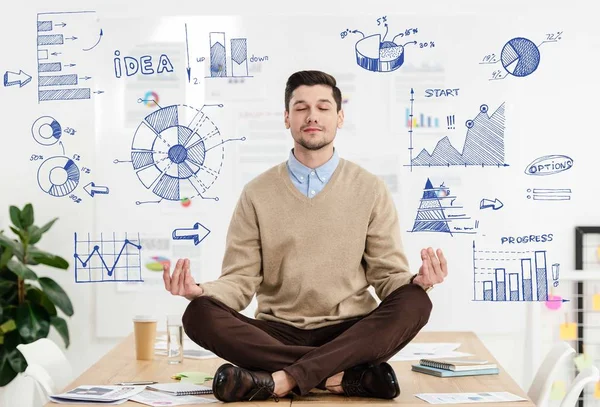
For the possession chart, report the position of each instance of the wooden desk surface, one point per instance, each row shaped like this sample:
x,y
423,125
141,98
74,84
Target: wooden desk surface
x,y
120,365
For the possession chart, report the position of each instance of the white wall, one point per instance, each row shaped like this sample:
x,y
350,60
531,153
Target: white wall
x,y
564,125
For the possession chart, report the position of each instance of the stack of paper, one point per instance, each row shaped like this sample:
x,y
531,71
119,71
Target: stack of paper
x,y
427,350
106,395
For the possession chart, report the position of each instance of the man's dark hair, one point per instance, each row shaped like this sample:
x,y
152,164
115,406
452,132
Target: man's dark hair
x,y
311,78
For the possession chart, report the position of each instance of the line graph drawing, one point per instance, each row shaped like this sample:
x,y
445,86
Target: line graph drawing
x,y
519,57
177,148
484,143
108,260
437,212
513,275
58,36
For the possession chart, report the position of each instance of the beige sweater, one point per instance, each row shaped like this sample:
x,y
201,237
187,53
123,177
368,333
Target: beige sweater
x,y
311,260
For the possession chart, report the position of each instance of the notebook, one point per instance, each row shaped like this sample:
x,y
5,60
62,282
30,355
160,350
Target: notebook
x,y
451,373
458,365
181,389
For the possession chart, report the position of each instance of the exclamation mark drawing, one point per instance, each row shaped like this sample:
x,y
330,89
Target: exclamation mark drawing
x,y
450,120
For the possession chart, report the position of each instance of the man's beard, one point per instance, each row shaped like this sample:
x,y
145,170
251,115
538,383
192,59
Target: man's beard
x,y
313,146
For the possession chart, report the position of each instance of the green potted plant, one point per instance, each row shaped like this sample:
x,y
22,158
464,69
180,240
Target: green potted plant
x,y
28,303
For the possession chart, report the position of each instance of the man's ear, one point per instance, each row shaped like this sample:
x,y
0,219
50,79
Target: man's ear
x,y
286,119
340,118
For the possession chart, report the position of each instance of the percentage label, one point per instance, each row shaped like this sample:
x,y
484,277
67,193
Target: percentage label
x,y
344,33
497,74
429,44
554,36
76,157
86,170
35,157
381,19
75,198
491,58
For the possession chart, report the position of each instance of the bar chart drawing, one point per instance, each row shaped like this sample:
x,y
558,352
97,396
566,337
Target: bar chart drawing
x,y
512,275
110,259
218,56
57,51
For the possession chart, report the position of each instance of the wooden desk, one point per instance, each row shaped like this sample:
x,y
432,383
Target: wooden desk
x,y
120,365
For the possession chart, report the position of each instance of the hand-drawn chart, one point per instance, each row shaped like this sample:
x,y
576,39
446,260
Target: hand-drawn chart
x,y
515,274
519,57
59,175
484,143
377,54
62,42
108,259
438,213
175,149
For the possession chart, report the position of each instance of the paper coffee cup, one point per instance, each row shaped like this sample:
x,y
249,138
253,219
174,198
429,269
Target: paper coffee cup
x,y
144,328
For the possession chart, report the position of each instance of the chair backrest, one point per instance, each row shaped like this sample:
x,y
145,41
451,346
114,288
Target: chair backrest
x,y
22,391
539,391
586,376
51,358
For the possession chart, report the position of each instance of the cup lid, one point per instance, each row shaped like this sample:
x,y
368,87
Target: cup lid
x,y
145,318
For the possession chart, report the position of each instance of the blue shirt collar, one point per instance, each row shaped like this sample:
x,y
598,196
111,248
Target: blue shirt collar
x,y
301,171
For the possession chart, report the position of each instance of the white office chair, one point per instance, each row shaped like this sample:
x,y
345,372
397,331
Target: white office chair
x,y
47,364
585,377
22,391
539,391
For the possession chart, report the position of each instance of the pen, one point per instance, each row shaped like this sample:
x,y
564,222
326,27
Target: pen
x,y
141,382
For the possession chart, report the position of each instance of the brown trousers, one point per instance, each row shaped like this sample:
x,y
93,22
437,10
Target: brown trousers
x,y
308,355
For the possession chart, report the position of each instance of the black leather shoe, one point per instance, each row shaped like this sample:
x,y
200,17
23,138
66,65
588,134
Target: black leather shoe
x,y
368,380
232,383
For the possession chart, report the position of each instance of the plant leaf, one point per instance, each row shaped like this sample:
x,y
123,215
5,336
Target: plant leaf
x,y
33,322
15,215
17,361
6,255
37,296
6,286
21,270
7,373
61,326
57,295
48,259
18,232
47,226
35,235
8,326
26,216
8,242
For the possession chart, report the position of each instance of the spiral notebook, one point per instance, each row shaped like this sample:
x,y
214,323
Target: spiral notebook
x,y
458,365
181,389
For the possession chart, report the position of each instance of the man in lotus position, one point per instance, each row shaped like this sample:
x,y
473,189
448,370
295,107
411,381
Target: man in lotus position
x,y
308,237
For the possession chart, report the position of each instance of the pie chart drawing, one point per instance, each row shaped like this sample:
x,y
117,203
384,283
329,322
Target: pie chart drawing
x,y
520,57
46,131
171,152
58,176
376,55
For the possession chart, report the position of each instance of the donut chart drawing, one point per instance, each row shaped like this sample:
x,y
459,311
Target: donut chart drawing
x,y
46,131
58,176
376,55
176,147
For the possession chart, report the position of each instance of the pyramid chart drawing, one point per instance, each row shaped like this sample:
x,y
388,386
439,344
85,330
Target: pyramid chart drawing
x,y
430,215
484,144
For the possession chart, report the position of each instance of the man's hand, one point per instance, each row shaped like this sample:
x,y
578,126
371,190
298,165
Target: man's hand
x,y
181,282
433,270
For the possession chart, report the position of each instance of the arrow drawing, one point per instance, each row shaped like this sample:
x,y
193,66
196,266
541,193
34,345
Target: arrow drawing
x,y
191,233
97,42
13,78
187,50
488,203
73,38
92,189
60,25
